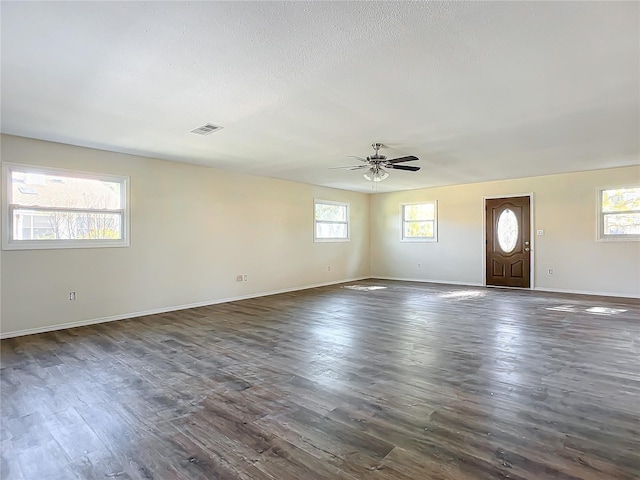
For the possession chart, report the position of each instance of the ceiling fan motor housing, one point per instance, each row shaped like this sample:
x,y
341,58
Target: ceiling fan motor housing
x,y
376,157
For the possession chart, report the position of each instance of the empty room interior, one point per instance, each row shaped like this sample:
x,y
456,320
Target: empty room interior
x,y
320,240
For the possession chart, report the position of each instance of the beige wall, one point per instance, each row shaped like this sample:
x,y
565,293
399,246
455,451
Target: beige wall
x,y
564,206
193,229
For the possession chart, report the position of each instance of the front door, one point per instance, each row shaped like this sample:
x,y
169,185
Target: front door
x,y
508,257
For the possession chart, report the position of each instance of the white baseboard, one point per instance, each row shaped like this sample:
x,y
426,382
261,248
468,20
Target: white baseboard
x,y
124,316
538,289
422,280
583,292
93,321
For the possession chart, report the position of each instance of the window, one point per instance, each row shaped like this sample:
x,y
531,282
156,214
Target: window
x,y
52,208
331,221
420,222
619,214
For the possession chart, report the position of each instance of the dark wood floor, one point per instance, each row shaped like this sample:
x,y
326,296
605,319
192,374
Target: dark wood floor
x,y
415,381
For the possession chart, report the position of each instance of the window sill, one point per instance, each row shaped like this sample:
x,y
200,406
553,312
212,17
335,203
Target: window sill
x,y
618,239
55,245
331,240
419,240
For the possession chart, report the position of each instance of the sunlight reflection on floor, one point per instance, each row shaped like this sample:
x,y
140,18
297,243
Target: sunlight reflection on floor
x,y
592,310
462,294
364,287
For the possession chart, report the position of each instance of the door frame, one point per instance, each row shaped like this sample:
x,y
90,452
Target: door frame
x,y
532,234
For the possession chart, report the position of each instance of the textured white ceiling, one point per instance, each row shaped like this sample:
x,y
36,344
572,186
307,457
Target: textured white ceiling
x,y
477,90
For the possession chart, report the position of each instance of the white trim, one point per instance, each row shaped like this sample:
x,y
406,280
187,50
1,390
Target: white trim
x,y
537,289
587,292
125,316
94,321
600,236
433,239
7,228
531,236
422,280
348,222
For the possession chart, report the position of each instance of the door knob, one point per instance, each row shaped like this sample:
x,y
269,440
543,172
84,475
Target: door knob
x,y
526,249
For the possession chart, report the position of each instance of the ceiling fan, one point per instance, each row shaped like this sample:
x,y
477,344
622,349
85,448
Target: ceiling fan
x,y
376,163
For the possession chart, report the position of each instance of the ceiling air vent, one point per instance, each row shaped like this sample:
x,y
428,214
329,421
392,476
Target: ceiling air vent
x,y
206,129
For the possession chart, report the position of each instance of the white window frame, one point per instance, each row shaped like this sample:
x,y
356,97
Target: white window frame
x,y
433,239
316,221
9,243
600,235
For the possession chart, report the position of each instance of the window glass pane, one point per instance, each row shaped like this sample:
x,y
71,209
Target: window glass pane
x,y
333,213
331,230
424,211
30,224
621,199
41,221
41,190
507,230
418,229
622,224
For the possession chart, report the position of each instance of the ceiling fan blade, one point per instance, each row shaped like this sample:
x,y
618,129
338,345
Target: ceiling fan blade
x,y
410,158
349,167
359,158
403,167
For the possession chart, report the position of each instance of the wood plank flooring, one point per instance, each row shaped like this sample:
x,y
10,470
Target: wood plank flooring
x,y
414,381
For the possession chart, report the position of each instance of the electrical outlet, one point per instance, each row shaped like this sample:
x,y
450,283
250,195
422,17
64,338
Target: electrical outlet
x,y
72,296
328,268
551,271
540,232
238,278
244,277
419,266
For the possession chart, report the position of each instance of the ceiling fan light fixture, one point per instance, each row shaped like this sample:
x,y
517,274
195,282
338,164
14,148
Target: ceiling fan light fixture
x,y
377,163
375,176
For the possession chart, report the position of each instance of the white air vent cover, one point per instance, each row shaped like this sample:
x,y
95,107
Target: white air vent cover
x,y
206,129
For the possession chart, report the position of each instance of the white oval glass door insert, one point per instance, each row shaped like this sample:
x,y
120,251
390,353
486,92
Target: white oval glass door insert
x,y
507,230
